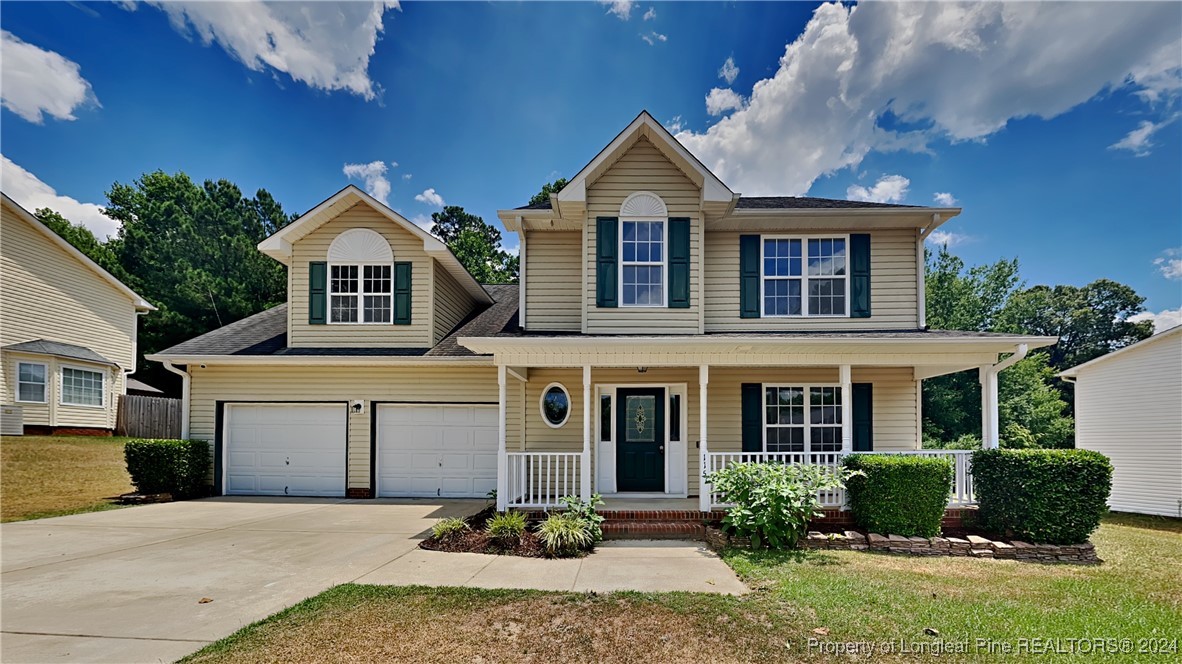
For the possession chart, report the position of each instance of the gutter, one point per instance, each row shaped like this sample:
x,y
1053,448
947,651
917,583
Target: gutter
x,y
185,386
1019,354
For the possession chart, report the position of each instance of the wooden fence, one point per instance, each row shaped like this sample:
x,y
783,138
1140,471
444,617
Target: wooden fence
x,y
148,417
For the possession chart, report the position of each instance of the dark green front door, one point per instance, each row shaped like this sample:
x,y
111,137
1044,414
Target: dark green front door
x,y
640,439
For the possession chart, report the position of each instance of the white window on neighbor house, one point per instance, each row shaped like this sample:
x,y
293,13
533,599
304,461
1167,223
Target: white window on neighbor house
x,y
360,276
82,387
804,276
31,382
802,419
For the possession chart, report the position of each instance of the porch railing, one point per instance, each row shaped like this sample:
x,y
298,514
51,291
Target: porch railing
x,y
539,479
962,484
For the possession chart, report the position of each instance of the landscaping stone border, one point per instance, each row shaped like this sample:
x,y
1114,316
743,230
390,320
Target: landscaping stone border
x,y
971,546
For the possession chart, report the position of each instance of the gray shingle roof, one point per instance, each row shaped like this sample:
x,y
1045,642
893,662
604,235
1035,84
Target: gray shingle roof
x,y
265,333
784,203
796,335
59,349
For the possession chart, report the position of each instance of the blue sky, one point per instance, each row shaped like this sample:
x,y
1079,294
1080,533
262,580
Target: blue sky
x,y
1055,126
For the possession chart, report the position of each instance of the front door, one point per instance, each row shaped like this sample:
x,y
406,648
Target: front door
x,y
640,439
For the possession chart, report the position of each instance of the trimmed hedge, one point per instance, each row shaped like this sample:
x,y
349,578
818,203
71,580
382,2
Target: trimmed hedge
x,y
1041,496
897,494
178,467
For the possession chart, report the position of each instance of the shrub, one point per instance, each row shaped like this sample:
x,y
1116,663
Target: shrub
x,y
1043,496
565,535
585,512
448,528
773,502
897,494
179,467
506,527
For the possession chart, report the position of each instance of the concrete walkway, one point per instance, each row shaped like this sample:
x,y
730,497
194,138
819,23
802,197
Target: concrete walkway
x,y
126,585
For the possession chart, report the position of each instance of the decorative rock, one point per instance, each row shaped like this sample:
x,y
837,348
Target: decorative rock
x,y
817,535
981,553
876,539
855,536
1021,545
939,543
919,542
978,542
959,544
899,540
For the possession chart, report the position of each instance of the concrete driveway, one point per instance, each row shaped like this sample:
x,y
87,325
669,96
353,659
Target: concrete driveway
x,y
126,585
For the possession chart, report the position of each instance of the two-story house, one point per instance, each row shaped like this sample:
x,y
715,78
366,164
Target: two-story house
x,y
664,326
67,331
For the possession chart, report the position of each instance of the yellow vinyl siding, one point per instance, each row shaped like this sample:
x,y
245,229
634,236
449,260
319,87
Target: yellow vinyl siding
x,y
893,286
552,281
406,247
49,294
1127,408
642,168
452,304
337,384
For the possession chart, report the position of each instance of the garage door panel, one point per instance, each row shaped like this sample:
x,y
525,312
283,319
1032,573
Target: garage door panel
x,y
274,449
437,450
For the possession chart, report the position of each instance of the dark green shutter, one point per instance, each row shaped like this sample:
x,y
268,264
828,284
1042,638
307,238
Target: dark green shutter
x,y
752,417
860,275
679,263
607,234
317,292
402,291
863,424
749,276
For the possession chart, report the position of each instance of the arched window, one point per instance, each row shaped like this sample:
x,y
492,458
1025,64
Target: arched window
x,y
644,242
361,284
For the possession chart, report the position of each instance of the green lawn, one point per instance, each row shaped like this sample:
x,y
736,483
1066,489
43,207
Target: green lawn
x,y
42,476
828,596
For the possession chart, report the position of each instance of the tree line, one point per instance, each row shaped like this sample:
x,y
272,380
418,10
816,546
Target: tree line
x,y
189,249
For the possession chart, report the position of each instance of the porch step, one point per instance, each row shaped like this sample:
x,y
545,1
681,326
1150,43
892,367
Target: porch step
x,y
649,516
641,530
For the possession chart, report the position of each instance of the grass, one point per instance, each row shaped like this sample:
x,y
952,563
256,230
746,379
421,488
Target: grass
x,y
43,476
834,597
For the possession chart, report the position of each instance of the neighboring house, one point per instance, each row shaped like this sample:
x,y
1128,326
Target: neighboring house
x,y
142,389
67,330
664,326
1128,406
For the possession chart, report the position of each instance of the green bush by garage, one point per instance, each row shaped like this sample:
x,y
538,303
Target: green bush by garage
x,y
177,467
897,494
1043,496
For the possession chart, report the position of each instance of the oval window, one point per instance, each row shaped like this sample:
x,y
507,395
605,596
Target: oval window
x,y
555,405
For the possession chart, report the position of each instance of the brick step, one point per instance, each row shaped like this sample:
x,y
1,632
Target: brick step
x,y
642,530
691,516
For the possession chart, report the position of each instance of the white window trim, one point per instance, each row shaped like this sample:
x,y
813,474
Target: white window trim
x,y
663,263
808,425
61,375
44,372
542,405
804,277
360,294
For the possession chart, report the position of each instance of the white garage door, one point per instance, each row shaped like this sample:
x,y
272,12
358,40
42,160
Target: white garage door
x,y
436,450
285,450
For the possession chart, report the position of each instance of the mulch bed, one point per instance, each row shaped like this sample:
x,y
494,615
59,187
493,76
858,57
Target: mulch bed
x,y
478,541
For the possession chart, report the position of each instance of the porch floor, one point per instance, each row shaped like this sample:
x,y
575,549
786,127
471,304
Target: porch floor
x,y
645,504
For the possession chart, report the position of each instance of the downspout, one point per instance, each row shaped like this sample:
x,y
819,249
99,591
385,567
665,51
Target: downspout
x,y
185,378
990,424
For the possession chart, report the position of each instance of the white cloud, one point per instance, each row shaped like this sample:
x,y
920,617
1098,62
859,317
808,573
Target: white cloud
x,y
721,100
324,45
423,221
406,176
1137,141
944,198
1170,263
729,72
1162,320
653,37
959,71
373,175
946,238
675,125
430,198
650,14
622,9
37,81
888,189
31,193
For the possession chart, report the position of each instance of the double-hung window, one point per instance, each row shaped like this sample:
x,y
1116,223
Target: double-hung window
x,y
361,293
642,249
805,276
31,382
802,418
81,387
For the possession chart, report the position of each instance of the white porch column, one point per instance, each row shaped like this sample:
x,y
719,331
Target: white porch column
x,y
990,436
847,409
585,466
704,450
502,453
